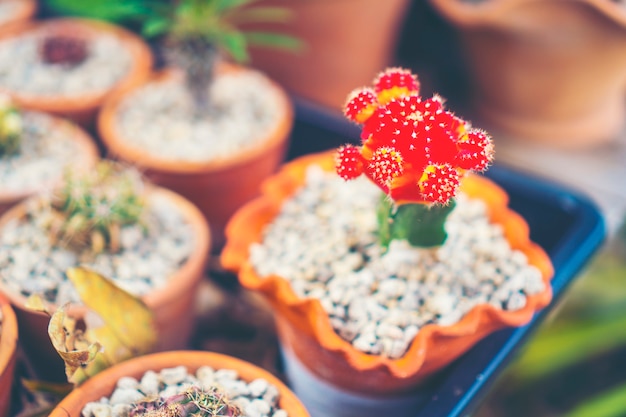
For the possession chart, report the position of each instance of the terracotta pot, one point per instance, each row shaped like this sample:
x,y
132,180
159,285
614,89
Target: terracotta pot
x,y
218,188
25,10
8,348
549,70
305,329
84,159
345,42
173,304
82,108
105,382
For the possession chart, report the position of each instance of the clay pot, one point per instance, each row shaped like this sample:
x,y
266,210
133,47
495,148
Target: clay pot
x,y
25,10
218,188
84,159
173,305
82,108
305,329
552,70
105,382
344,43
8,348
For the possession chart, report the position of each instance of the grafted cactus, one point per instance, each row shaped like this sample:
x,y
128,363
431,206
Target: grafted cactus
x,y
63,49
89,210
416,151
193,402
10,127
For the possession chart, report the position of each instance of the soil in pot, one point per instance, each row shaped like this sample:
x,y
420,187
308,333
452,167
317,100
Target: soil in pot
x,y
68,66
254,391
324,242
160,258
217,158
48,146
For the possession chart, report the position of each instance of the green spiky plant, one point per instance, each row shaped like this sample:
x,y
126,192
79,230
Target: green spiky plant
x,y
193,402
90,210
10,127
193,33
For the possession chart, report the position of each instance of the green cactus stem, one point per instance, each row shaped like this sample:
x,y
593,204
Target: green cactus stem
x,y
193,402
422,225
10,127
90,210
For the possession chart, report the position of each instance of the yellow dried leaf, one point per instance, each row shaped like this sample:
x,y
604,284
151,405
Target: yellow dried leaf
x,y
36,303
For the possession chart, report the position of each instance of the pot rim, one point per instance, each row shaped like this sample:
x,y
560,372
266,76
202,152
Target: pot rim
x,y
490,12
181,281
104,382
119,147
86,158
308,315
25,11
141,64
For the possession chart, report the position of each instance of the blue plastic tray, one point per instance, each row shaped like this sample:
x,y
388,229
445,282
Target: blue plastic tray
x,y
567,225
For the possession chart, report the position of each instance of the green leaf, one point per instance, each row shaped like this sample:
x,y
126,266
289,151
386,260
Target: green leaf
x,y
606,404
222,6
274,40
235,44
155,26
111,10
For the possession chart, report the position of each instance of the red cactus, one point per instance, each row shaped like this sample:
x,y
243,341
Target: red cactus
x,y
413,149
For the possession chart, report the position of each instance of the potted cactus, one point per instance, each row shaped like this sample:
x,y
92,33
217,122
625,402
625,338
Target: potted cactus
x,y
35,148
182,383
149,241
204,127
380,282
8,349
67,66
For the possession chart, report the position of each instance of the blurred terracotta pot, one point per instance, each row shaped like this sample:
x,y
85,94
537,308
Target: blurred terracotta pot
x,y
8,348
219,187
550,70
173,304
344,43
104,383
84,159
82,108
23,10
304,326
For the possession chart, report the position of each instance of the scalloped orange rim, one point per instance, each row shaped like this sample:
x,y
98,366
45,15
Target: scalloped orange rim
x,y
247,225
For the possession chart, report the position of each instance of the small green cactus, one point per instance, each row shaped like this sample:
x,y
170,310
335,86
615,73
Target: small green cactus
x,y
90,210
193,402
10,127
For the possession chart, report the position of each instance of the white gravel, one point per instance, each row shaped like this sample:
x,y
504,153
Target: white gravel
x,y
47,148
159,118
23,71
30,264
323,241
257,398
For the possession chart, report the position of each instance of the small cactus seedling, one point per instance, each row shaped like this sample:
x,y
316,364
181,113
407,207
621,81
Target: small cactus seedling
x,y
63,49
89,210
193,402
416,151
10,127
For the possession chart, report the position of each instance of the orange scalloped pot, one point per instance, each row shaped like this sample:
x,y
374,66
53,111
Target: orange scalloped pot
x,y
172,304
218,188
104,383
85,159
82,108
8,348
304,325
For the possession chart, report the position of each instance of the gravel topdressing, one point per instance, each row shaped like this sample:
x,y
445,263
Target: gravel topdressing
x,y
159,118
323,242
256,399
46,149
22,69
29,264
